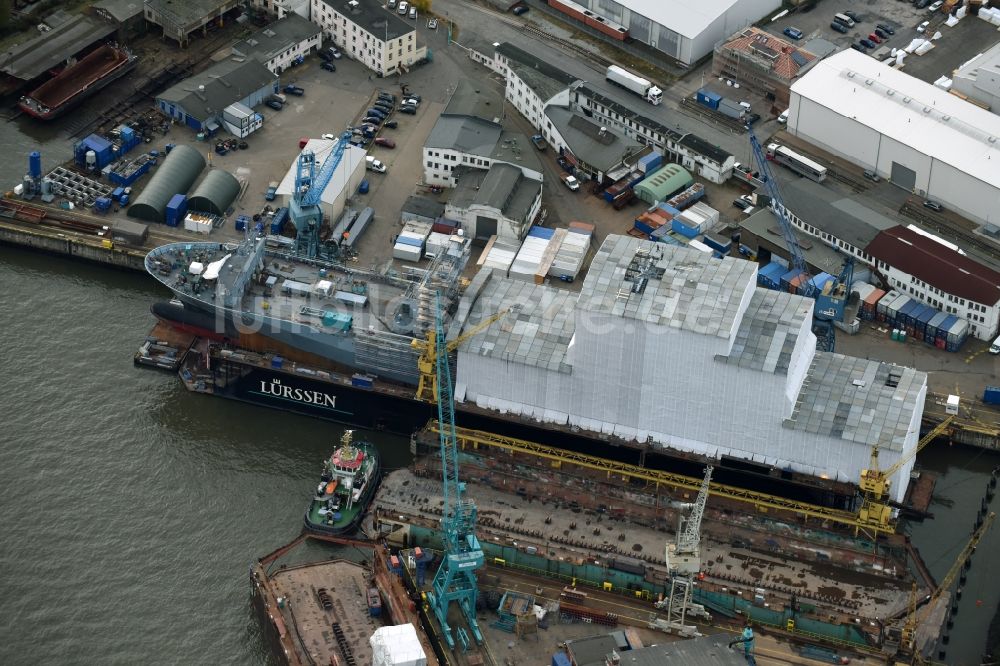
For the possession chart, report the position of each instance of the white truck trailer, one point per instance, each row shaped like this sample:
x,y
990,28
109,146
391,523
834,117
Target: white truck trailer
x,y
640,86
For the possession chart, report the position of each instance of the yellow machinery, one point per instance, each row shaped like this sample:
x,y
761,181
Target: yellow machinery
x,y
427,389
875,513
915,619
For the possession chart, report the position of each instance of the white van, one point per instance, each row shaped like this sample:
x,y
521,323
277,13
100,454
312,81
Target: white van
x,y
392,4
783,118
995,347
401,10
844,20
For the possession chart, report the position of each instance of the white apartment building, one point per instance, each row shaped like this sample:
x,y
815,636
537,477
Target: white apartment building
x,y
364,30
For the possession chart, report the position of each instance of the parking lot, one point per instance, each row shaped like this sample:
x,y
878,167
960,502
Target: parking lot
x,y
900,15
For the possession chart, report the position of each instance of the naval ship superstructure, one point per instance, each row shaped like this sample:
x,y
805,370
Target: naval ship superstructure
x,y
360,320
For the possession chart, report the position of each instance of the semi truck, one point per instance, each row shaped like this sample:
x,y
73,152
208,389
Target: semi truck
x,y
640,86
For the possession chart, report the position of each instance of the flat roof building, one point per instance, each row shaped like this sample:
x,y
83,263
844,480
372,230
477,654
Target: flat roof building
x,y
179,19
199,101
979,79
920,137
281,43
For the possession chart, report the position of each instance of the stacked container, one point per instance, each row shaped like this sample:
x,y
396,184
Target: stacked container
x,y
787,279
931,330
869,303
437,243
649,163
572,251
769,276
201,224
498,255
529,258
700,216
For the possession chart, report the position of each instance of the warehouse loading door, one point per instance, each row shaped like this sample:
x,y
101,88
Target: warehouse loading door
x,y
902,176
485,227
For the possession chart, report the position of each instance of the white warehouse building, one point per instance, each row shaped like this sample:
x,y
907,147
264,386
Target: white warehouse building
x,y
669,345
686,30
345,179
918,136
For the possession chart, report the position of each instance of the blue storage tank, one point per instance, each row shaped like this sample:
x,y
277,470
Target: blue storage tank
x,y
708,98
650,163
991,396
176,210
35,164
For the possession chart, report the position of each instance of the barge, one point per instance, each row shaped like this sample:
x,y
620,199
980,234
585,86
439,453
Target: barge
x,y
79,81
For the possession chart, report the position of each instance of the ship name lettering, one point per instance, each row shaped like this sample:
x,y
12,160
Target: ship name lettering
x,y
277,389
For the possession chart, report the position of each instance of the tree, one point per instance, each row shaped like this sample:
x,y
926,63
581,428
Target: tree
x,y
423,6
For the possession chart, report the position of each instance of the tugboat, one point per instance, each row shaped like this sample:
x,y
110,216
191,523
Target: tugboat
x,y
347,486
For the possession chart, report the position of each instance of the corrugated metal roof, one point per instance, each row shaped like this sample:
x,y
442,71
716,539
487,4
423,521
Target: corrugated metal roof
x,y
175,176
277,37
769,331
225,82
906,109
687,17
936,264
858,400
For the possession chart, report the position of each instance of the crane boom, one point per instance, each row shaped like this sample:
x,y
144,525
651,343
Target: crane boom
x,y
427,385
914,619
313,194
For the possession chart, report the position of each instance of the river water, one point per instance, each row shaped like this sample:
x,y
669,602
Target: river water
x,y
132,509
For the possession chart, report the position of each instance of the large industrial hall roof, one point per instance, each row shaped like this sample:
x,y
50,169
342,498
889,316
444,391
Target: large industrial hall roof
x,y
908,110
683,288
687,17
352,159
175,176
40,54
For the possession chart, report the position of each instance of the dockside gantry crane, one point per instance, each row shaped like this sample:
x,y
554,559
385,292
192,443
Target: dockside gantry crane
x,y
875,512
455,579
915,618
427,385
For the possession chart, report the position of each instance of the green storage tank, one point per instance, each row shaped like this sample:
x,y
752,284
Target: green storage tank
x,y
664,183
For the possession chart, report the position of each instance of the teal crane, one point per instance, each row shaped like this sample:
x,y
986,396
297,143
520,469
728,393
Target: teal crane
x,y
455,579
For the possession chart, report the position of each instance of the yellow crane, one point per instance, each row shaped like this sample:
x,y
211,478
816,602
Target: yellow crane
x,y
914,619
427,389
876,513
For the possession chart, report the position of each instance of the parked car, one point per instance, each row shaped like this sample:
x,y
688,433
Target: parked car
x,y
328,66
384,142
936,5
564,163
413,13
871,175
923,26
384,108
520,9
854,16
933,205
335,52
842,29
292,89
432,24
373,164
739,203
570,181
874,38
412,97
921,4
539,142
274,104
272,191
326,56
858,47
359,141
794,33
408,108
885,28
391,124
372,120
882,34
376,113
751,118
389,97
867,43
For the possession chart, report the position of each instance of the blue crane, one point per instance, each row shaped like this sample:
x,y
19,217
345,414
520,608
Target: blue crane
x,y
829,307
304,210
455,579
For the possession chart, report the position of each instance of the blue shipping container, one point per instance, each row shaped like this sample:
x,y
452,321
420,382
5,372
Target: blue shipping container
x,y
277,361
913,317
926,317
669,210
363,381
709,98
787,277
176,210
683,229
819,281
102,150
560,659
645,228
991,396
931,330
904,312
944,326
724,248
541,232
279,220
241,222
649,163
770,276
